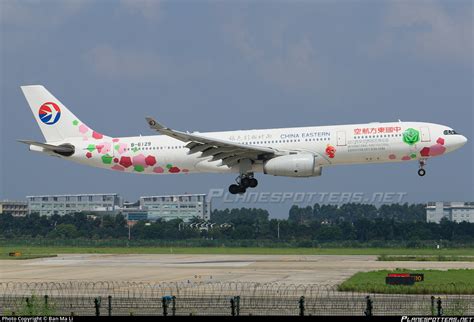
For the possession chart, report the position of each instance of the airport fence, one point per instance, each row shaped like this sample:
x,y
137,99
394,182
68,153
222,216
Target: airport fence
x,y
218,298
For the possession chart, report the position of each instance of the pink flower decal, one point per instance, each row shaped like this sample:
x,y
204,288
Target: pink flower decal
x,y
425,151
125,162
150,160
121,148
392,156
115,140
89,155
436,150
174,170
107,147
139,160
97,135
158,170
83,128
406,158
118,168
330,151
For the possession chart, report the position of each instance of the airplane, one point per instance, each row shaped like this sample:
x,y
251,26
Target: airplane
x,y
289,152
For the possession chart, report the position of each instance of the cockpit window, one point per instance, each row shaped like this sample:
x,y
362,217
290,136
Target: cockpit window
x,y
450,132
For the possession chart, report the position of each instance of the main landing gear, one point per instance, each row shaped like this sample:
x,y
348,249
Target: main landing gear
x,y
421,171
244,181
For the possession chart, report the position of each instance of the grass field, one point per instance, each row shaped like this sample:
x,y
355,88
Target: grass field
x,y
425,258
41,250
453,281
26,256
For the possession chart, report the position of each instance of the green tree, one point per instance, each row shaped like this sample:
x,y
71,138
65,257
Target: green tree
x,y
64,231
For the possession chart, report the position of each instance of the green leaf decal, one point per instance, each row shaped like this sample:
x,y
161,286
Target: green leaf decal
x,y
411,136
107,159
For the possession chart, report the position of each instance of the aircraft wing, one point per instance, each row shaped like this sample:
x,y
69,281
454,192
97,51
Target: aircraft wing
x,y
229,152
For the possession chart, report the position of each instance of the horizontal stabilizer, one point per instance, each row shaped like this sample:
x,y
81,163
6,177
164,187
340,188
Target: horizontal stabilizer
x,y
61,149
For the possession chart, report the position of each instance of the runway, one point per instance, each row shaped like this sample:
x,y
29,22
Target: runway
x,y
284,269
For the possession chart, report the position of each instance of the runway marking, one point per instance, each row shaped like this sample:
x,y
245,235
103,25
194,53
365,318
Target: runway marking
x,y
94,262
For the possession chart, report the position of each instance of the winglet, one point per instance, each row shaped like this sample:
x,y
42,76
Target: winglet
x,y
154,124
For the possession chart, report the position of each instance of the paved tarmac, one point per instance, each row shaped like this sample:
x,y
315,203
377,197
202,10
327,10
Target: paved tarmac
x,y
285,269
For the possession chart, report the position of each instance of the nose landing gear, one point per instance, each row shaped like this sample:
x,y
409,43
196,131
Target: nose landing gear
x,y
244,181
421,170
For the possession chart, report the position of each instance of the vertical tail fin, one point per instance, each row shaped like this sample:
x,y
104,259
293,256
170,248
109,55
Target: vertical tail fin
x,y
56,122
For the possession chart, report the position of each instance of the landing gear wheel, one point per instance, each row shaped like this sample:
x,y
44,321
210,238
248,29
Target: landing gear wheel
x,y
245,182
253,183
234,189
421,171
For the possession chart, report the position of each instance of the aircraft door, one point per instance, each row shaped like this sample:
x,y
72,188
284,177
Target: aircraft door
x,y
425,134
112,149
341,138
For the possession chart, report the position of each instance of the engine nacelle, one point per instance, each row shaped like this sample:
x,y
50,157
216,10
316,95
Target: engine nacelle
x,y
293,165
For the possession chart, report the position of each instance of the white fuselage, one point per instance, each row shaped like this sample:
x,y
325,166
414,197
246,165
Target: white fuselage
x,y
331,145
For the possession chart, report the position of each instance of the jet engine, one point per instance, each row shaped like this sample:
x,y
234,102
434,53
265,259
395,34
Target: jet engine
x,y
293,165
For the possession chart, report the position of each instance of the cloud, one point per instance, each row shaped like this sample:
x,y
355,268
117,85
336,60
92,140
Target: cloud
x,y
427,31
295,67
149,9
39,14
287,62
114,63
240,38
23,23
117,63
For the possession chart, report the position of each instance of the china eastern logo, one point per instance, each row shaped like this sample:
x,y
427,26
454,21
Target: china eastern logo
x,y
411,136
49,113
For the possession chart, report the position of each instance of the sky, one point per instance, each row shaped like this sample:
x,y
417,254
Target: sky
x,y
229,65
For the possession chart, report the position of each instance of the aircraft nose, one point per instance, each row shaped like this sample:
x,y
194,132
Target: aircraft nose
x,y
460,141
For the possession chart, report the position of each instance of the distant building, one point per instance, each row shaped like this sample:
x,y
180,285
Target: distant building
x,y
151,208
107,203
453,211
15,208
170,207
133,212
135,215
